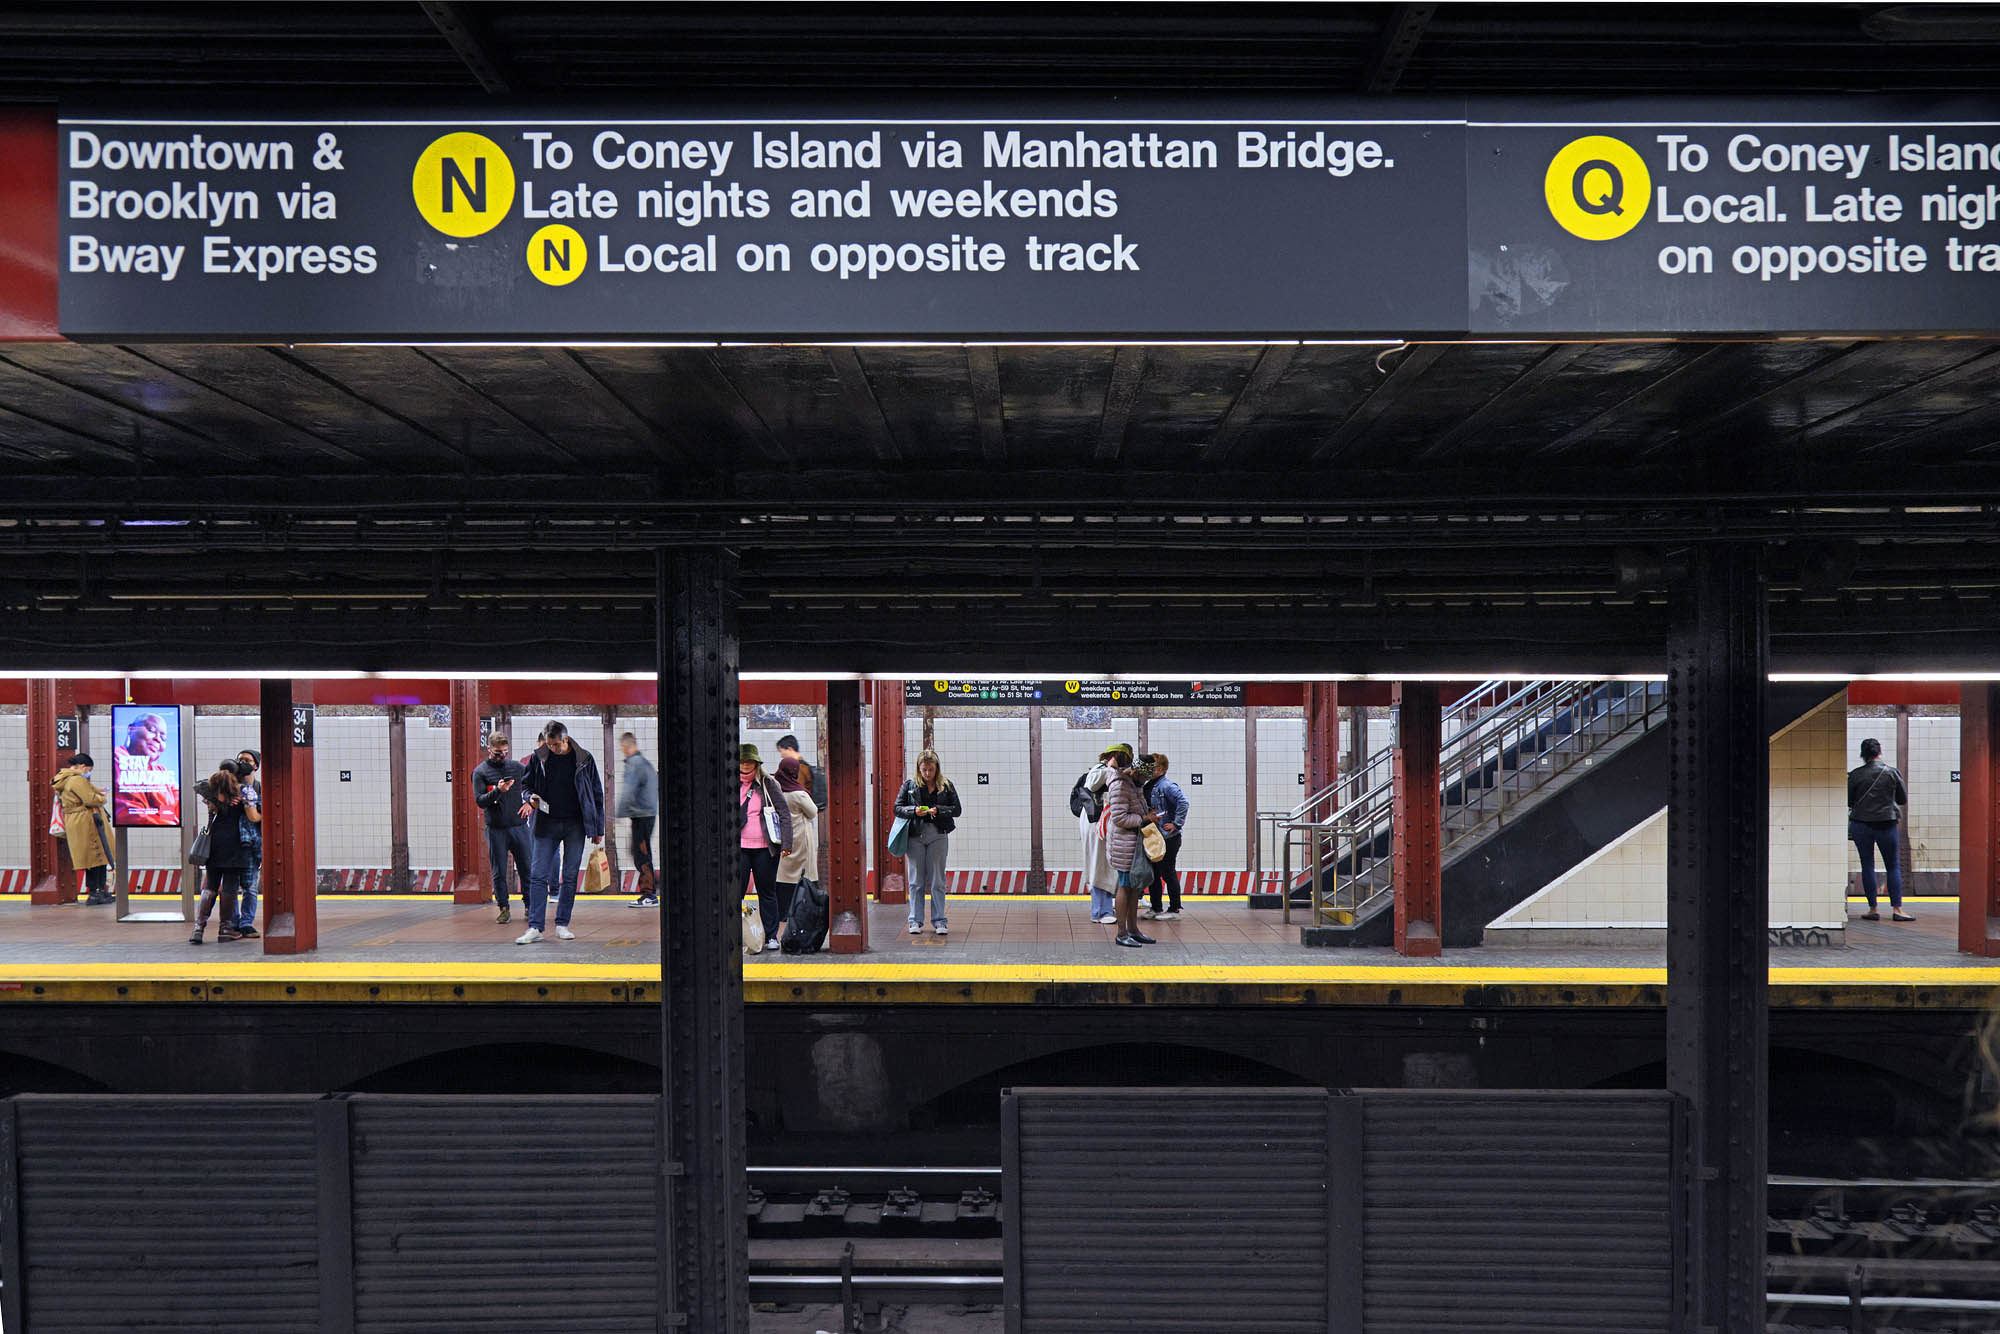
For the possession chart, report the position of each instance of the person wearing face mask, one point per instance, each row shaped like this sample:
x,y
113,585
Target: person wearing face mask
x,y
83,805
495,790
562,793
247,764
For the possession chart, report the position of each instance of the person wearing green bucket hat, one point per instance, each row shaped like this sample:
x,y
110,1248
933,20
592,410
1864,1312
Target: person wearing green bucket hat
x,y
764,830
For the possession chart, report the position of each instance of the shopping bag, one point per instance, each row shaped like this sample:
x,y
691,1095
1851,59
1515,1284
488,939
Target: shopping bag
x,y
56,829
753,929
596,872
899,837
1155,843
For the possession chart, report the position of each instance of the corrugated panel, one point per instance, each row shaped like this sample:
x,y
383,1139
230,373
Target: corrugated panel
x,y
1168,1211
506,1215
188,1213
1491,1212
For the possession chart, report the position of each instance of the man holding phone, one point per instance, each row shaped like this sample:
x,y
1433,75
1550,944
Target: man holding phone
x,y
495,789
562,797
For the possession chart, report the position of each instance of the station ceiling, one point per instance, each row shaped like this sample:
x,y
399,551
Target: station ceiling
x,y
1273,507
53,48
1458,506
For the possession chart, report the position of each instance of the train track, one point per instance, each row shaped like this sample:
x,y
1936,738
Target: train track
x,y
1850,1253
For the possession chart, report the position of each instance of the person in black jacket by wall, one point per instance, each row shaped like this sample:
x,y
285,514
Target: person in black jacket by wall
x,y
1876,797
495,789
930,803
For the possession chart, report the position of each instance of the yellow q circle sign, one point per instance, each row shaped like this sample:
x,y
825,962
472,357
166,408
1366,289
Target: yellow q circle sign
x,y
1597,187
463,184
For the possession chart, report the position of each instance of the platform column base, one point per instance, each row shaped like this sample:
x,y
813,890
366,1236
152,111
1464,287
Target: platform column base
x,y
846,936
892,888
281,935
52,891
470,889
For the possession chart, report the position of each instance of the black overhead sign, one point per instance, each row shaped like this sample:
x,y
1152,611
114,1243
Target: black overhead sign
x,y
1128,694
1204,220
1057,223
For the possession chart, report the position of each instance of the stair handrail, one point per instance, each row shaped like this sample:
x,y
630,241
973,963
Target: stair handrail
x,y
1465,752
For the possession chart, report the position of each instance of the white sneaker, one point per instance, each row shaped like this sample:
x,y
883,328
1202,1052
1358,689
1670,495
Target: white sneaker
x,y
528,937
916,929
1148,914
564,933
941,930
1104,921
770,945
1170,915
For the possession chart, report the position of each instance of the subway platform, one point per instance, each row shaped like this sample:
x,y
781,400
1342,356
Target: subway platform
x,y
1011,949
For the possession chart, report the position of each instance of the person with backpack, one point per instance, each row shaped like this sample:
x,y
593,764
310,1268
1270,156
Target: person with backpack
x,y
1876,797
930,803
247,763
1086,803
1125,815
83,807
763,832
639,802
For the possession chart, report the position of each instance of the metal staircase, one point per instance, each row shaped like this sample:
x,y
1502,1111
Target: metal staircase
x,y
1505,744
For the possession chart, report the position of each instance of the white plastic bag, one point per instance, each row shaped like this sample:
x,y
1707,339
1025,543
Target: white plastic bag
x,y
753,930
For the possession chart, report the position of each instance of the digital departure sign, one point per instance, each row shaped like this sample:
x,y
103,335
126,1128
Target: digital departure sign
x,y
146,766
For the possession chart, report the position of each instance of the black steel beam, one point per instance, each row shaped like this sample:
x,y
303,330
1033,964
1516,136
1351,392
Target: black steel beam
x,y
1718,911
1272,363
1128,372
705,1254
1401,32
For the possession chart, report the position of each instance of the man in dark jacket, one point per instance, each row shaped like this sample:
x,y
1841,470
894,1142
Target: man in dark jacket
x,y
563,798
495,788
1875,799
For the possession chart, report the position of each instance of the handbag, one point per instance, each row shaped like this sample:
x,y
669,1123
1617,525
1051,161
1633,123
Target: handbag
x,y
1140,876
56,829
899,837
774,828
597,872
198,854
1154,842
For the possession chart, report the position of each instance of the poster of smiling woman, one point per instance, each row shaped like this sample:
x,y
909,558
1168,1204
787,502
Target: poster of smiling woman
x,y
146,766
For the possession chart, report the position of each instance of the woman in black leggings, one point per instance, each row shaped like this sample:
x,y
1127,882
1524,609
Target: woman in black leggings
x,y
228,856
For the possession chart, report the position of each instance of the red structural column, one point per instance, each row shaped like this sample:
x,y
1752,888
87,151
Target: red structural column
x,y
1416,864
1979,818
890,884
471,878
847,825
51,880
290,881
1322,737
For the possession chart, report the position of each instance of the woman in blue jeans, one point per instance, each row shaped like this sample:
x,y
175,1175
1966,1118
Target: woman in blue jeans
x,y
930,803
1876,797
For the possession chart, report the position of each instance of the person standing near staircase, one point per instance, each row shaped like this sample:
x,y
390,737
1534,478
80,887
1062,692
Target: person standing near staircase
x,y
1876,797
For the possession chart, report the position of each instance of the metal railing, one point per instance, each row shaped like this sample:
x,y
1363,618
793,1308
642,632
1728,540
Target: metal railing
x,y
1503,743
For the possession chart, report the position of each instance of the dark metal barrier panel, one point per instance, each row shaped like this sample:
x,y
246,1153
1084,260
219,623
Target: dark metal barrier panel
x,y
505,1215
1496,1211
185,1213
1167,1211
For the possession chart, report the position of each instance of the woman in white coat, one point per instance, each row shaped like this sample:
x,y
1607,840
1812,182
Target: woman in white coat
x,y
1097,872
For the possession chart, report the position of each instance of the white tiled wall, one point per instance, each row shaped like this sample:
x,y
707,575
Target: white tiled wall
x,y
1626,883
352,818
1208,759
994,831
1933,814
427,752
14,808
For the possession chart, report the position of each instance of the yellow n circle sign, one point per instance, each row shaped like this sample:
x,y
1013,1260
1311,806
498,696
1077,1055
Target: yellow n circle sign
x,y
463,184
557,255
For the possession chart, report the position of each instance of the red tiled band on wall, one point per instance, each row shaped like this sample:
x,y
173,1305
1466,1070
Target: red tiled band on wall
x,y
376,880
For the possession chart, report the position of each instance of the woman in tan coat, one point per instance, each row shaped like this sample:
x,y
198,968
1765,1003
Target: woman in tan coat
x,y
86,826
801,860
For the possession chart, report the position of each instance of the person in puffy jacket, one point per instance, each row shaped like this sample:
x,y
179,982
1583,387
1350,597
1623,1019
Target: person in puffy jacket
x,y
930,803
84,819
1876,797
562,798
1125,814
